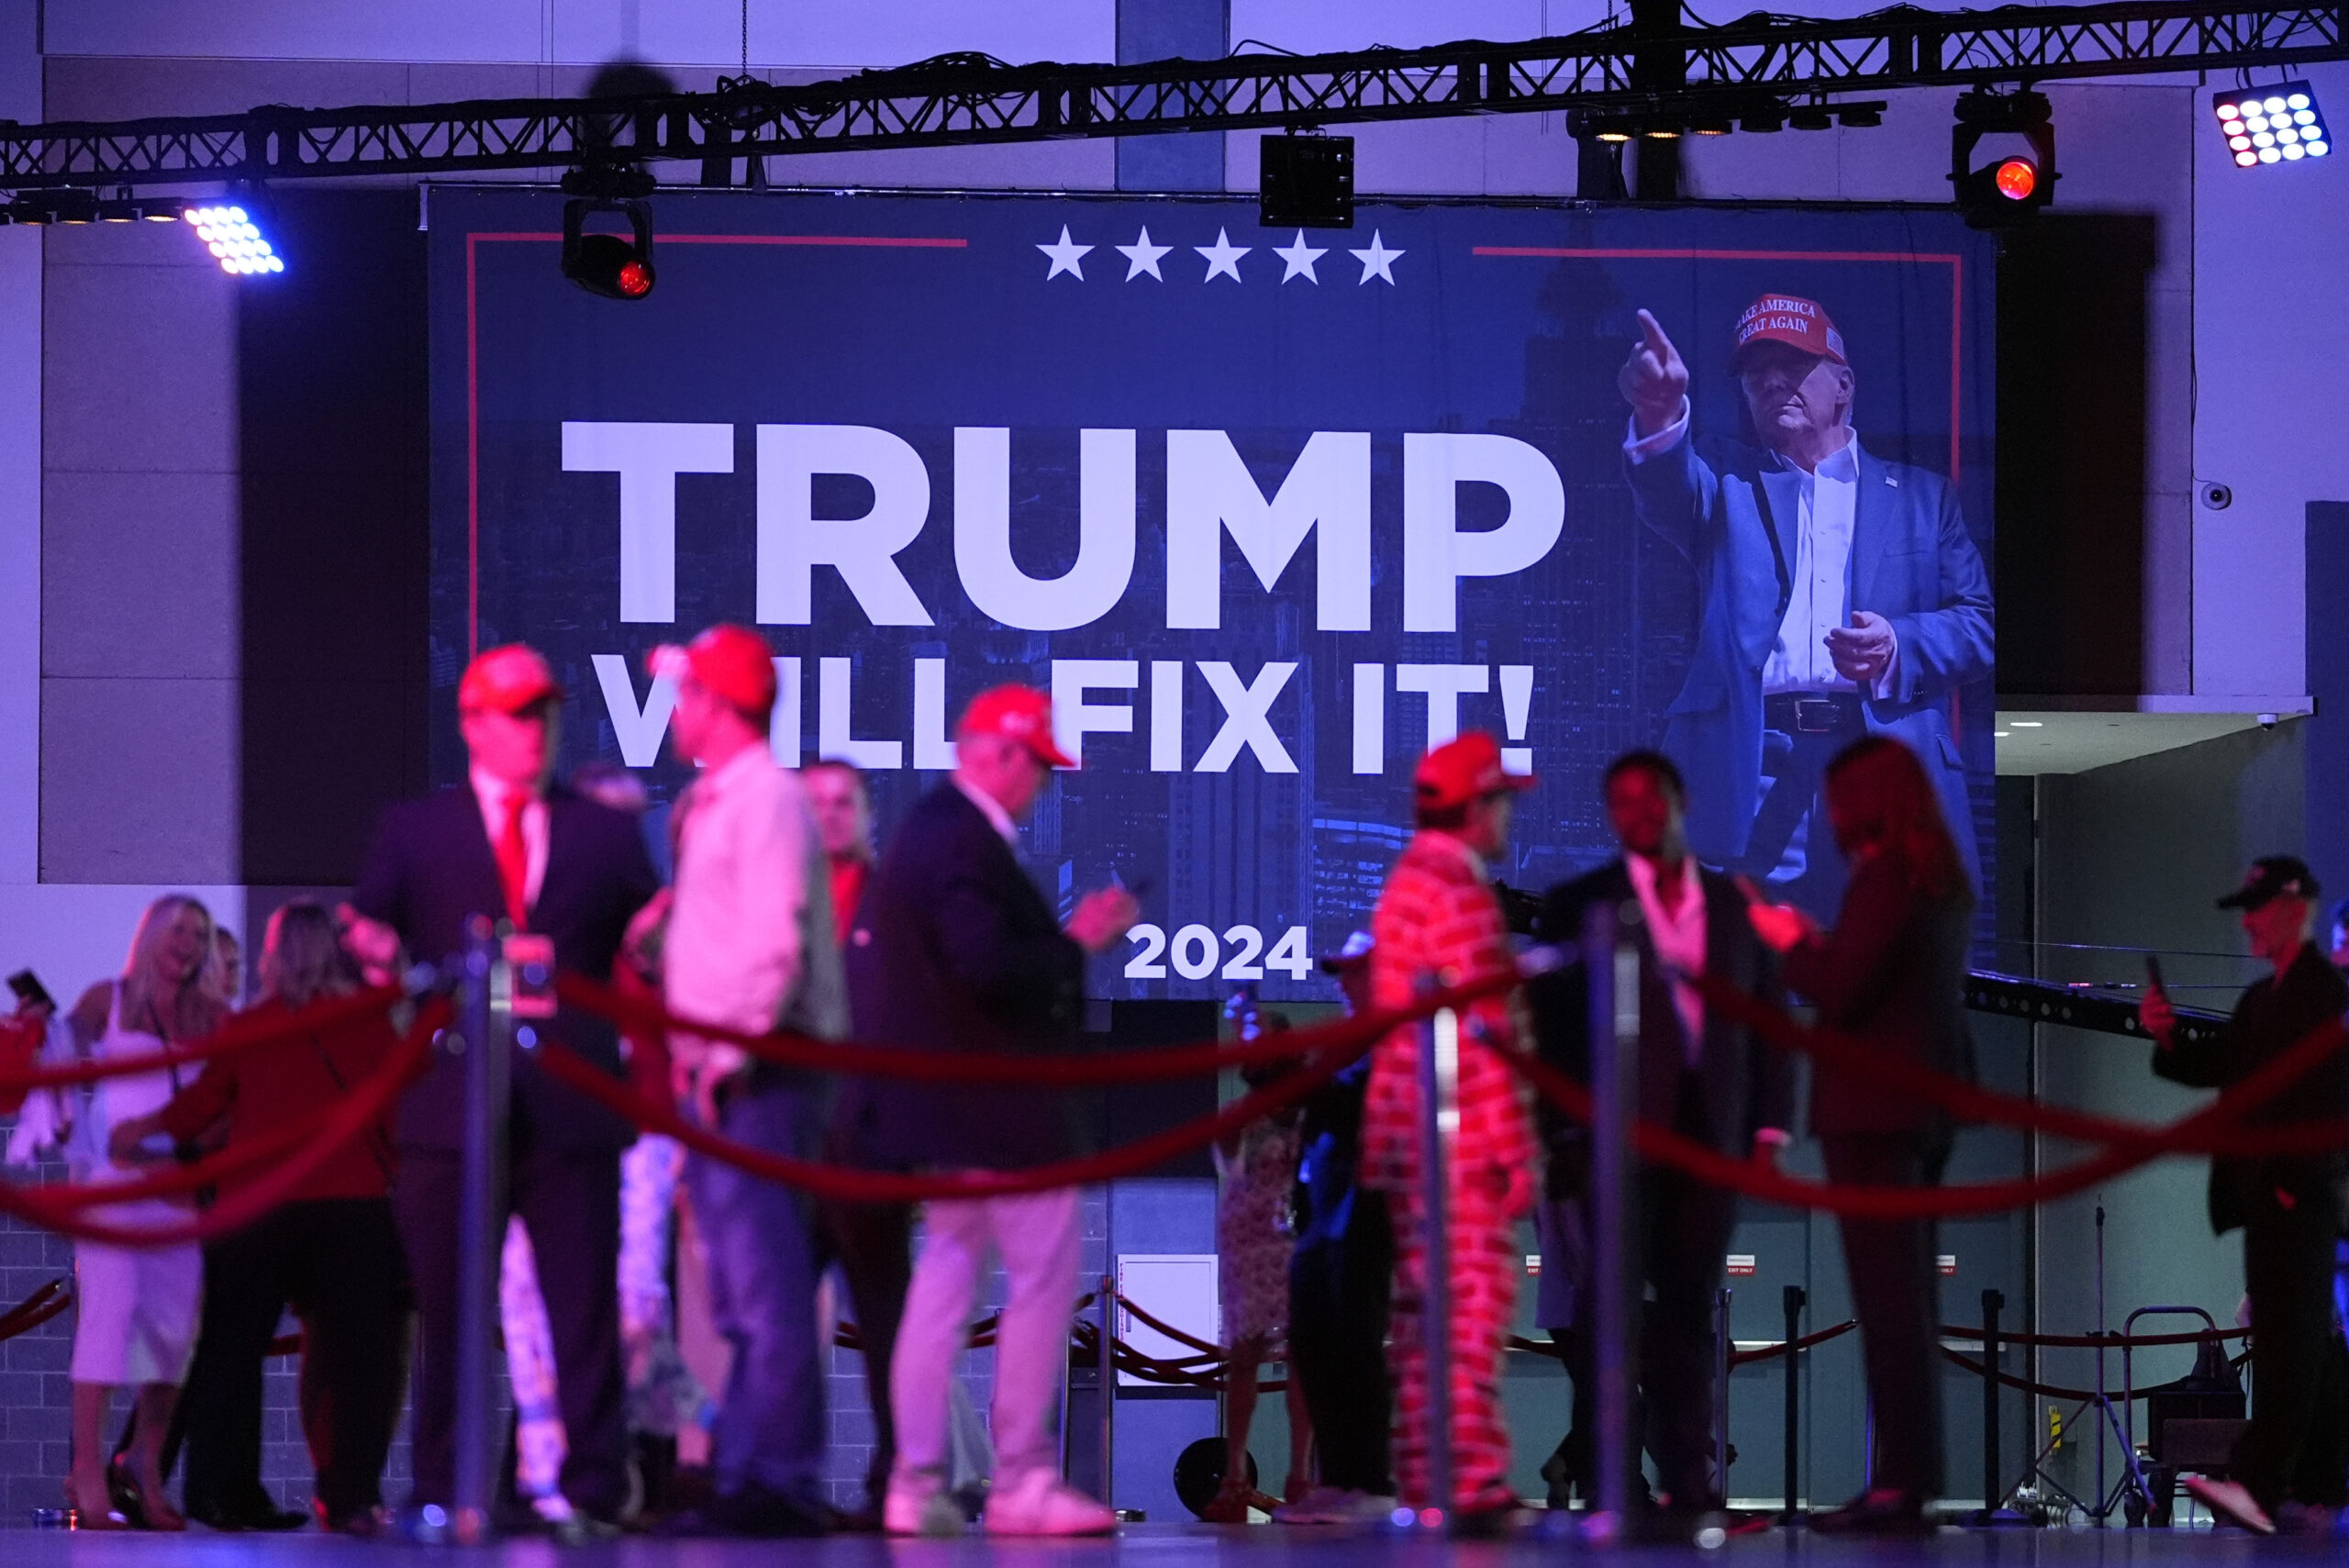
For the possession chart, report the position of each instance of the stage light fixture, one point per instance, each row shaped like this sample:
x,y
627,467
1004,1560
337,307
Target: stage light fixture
x,y
1304,181
1712,124
1859,116
1811,116
2278,123
1614,133
2011,188
74,206
612,265
228,230
1660,131
1772,118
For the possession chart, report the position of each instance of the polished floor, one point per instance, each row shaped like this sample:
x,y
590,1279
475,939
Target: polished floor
x,y
1197,1546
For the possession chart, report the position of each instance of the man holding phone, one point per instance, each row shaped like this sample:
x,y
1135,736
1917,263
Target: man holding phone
x,y
2290,1468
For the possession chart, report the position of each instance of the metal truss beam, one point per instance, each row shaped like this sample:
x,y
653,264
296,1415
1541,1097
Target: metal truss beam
x,y
965,100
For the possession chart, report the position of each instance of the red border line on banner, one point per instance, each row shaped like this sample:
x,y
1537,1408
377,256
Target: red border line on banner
x,y
473,363
1956,288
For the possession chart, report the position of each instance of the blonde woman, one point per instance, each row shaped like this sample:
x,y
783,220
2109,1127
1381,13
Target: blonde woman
x,y
138,1306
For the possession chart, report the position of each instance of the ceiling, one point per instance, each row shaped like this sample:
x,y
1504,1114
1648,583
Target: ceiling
x,y
2070,735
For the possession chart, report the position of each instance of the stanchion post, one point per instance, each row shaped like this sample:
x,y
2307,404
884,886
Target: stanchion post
x,y
1613,966
1721,1389
1107,1378
1439,1119
483,1042
1793,1300
1992,1301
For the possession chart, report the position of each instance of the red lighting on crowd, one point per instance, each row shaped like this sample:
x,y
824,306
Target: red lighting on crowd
x,y
2017,178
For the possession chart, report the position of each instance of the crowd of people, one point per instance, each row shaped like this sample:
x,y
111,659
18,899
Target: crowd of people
x,y
660,1307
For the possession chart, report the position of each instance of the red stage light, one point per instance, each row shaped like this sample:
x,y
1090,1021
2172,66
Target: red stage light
x,y
2017,178
636,280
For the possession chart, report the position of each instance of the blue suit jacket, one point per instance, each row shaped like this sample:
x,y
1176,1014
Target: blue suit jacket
x,y
432,869
954,948
1912,563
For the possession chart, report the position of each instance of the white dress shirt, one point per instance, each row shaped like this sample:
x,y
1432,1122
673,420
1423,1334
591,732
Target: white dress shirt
x,y
1819,565
493,795
1678,934
750,943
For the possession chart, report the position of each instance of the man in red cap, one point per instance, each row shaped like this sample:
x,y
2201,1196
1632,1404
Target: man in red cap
x,y
749,945
1842,595
1437,920
512,845
954,948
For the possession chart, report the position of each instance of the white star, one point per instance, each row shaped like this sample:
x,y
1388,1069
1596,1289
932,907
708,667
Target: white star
x,y
1222,256
1141,257
1376,260
1300,258
1066,257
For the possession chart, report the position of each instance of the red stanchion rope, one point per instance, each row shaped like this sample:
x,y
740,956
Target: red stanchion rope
x,y
50,1300
889,1186
241,1033
1972,1103
55,1209
1760,1180
2055,1391
864,1059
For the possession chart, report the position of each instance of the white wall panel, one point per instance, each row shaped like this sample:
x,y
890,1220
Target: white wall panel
x,y
2271,347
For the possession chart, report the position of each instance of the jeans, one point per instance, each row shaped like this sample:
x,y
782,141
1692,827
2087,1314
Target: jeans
x,y
1037,1235
761,1246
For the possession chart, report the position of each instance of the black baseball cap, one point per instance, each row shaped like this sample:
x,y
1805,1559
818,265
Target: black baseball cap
x,y
2271,877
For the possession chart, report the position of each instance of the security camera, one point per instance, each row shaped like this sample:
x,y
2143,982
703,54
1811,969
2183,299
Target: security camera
x,y
2217,496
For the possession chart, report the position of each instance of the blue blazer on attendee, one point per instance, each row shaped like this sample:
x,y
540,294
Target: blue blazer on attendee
x,y
432,868
1912,562
954,948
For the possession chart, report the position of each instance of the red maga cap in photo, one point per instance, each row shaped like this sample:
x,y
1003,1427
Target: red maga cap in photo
x,y
1460,770
733,663
507,680
1023,713
1785,318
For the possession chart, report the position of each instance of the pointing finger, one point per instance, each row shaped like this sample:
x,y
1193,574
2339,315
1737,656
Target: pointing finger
x,y
1651,336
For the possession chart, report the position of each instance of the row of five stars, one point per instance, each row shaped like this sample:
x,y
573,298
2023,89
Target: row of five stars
x,y
1222,257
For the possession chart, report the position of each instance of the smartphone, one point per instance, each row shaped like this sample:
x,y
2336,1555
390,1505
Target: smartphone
x,y
2154,973
30,991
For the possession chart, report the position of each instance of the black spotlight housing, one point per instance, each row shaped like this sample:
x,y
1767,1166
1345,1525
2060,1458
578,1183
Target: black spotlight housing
x,y
606,263
1306,182
1811,116
2008,190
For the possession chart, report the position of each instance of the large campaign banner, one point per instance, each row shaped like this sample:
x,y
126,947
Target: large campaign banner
x,y
1267,512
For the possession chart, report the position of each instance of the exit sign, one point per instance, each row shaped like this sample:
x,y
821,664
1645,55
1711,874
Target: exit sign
x,y
1740,1263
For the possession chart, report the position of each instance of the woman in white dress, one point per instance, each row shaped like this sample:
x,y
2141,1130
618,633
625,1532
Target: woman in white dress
x,y
138,1307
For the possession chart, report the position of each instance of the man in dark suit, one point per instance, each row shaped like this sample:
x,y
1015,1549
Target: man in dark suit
x,y
2287,1467
509,844
1707,1078
954,948
1840,594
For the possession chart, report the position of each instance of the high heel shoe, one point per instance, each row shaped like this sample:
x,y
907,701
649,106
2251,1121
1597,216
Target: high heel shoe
x,y
86,1518
141,1511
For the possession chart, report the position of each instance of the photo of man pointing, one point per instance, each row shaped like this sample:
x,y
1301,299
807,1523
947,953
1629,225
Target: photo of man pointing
x,y
1839,593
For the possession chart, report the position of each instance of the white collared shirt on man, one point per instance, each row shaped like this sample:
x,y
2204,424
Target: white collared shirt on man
x,y
1819,564
495,796
1678,933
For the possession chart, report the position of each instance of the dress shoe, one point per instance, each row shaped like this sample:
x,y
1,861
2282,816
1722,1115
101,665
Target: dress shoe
x,y
1880,1512
1041,1503
252,1513
360,1524
2231,1501
921,1505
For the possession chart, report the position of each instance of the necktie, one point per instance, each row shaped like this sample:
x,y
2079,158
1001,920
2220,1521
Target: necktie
x,y
514,861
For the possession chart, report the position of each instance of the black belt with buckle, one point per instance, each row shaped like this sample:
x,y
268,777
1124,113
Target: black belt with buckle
x,y
1814,713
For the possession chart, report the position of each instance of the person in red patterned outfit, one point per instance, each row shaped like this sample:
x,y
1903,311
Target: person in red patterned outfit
x,y
1438,916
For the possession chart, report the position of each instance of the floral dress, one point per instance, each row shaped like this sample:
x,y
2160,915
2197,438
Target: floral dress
x,y
1252,1239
